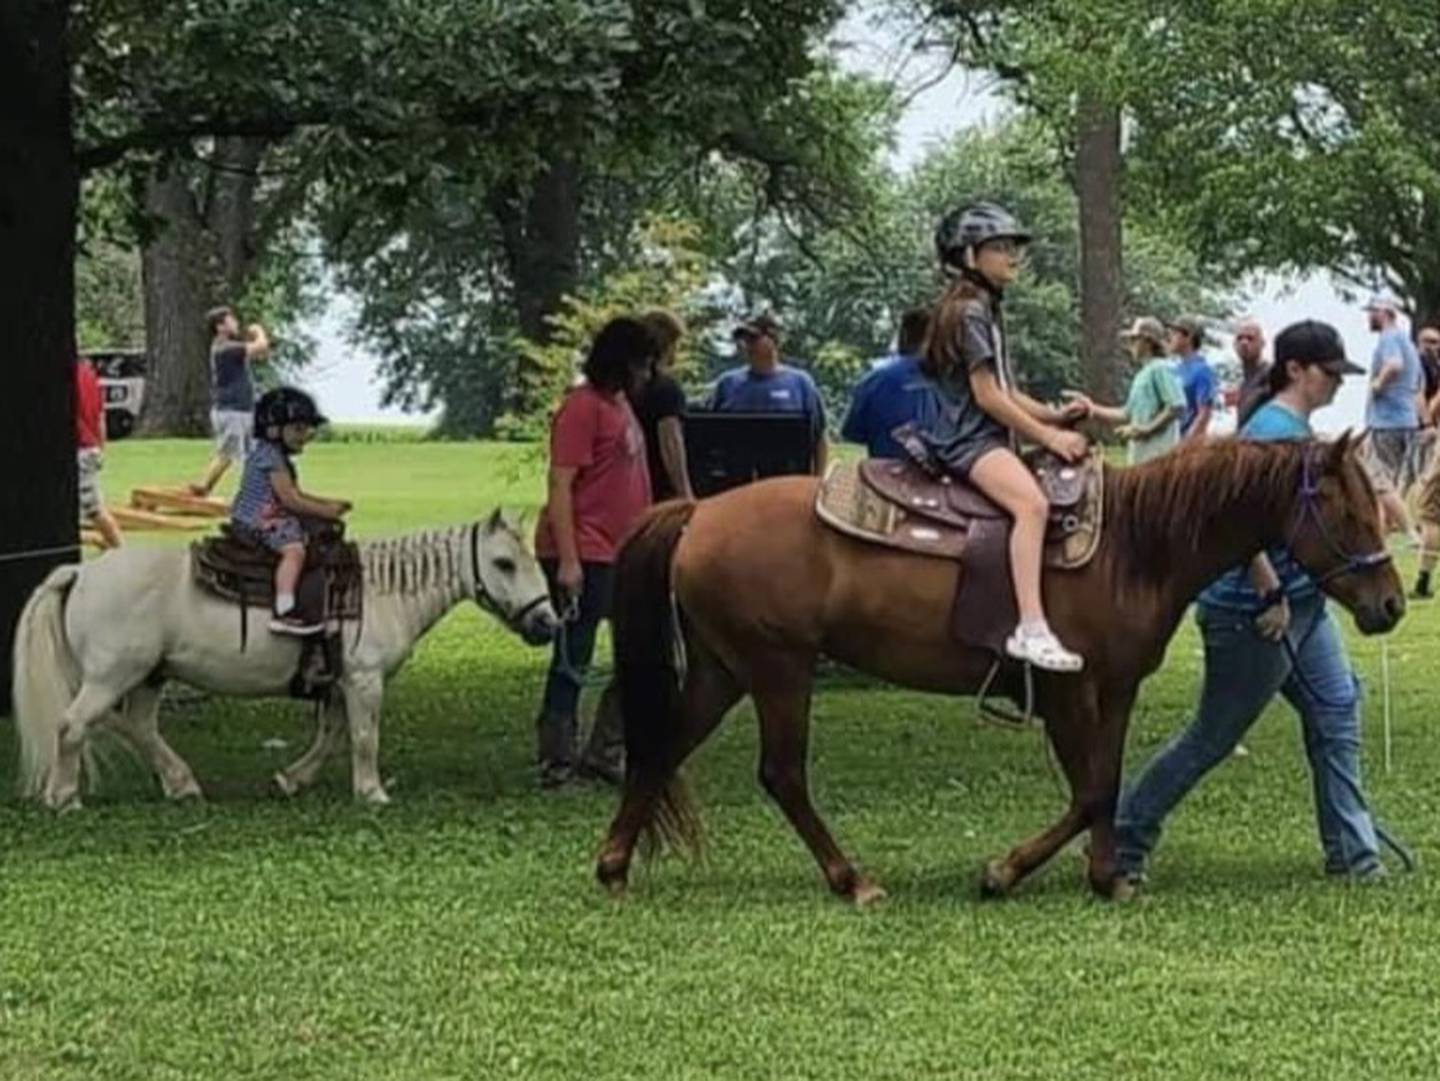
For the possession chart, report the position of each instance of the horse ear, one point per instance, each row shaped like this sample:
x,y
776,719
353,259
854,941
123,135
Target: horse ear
x,y
496,522
1341,449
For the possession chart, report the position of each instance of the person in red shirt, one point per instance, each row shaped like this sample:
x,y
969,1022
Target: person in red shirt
x,y
90,453
598,486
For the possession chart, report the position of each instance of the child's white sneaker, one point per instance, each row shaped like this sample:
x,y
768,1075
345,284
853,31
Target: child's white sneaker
x,y
1040,647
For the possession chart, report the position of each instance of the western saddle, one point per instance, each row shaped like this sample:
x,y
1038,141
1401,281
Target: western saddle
x,y
331,591
902,505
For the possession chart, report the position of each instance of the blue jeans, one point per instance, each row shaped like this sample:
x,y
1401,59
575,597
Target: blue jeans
x,y
570,658
1242,673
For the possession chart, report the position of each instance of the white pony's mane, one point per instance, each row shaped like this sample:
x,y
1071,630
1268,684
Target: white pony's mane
x,y
417,562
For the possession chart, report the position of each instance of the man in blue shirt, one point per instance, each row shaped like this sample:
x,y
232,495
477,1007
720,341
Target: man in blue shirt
x,y
1396,381
1197,378
893,393
765,385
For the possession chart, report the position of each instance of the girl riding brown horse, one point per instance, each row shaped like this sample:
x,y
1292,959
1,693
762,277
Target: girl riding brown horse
x,y
740,594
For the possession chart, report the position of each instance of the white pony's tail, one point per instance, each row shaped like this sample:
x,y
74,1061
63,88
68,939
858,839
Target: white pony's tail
x,y
46,678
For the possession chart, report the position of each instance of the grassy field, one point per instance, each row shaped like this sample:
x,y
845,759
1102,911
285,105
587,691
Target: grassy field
x,y
458,935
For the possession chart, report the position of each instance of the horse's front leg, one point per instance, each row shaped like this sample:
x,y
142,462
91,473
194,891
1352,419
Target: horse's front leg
x,y
1089,757
329,730
363,692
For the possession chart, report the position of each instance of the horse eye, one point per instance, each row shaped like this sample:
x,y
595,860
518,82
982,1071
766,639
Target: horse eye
x,y
505,566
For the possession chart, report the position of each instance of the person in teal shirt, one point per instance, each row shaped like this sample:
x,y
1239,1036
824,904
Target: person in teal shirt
x,y
1244,617
1150,420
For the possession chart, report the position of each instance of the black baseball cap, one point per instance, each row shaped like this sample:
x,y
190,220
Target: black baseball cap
x,y
1313,342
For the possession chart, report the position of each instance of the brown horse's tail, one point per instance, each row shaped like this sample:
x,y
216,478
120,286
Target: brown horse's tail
x,y
647,639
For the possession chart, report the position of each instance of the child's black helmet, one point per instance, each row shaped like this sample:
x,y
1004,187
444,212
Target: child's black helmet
x,y
286,405
973,225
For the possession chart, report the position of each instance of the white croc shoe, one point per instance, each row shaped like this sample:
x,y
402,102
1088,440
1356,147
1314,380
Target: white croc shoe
x,y
1043,650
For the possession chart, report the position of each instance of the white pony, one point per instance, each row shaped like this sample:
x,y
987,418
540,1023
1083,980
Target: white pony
x,y
97,642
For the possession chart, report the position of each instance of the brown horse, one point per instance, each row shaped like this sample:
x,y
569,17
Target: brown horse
x,y
760,588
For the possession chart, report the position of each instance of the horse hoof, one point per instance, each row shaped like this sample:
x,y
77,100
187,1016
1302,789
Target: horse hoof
x,y
376,797
613,876
187,797
1123,889
867,893
284,785
995,881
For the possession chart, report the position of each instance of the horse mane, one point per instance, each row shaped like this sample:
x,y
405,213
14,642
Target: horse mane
x,y
416,563
1160,509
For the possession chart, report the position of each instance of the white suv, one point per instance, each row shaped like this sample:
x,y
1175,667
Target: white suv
x,y
122,387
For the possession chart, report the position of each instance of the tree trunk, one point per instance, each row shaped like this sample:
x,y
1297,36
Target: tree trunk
x,y
177,279
39,194
541,230
203,256
1097,184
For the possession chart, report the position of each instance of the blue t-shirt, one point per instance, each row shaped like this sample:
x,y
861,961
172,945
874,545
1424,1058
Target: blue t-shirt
x,y
1197,380
1271,422
256,504
785,390
893,392
1394,407
232,387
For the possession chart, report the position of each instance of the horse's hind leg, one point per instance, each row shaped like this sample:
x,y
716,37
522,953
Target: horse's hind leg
x,y
91,705
782,693
301,773
139,722
709,693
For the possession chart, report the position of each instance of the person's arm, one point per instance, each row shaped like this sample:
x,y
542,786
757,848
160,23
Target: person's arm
x,y
1273,621
1390,369
993,398
1112,415
257,343
671,436
1161,419
856,428
1201,426
297,502
822,454
560,509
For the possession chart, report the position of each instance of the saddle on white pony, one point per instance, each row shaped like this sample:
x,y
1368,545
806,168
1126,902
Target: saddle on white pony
x,y
331,592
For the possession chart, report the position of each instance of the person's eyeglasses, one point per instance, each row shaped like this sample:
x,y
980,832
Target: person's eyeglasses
x,y
1005,246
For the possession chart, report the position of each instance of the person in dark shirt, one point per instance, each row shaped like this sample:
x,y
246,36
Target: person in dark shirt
x,y
660,408
232,392
893,393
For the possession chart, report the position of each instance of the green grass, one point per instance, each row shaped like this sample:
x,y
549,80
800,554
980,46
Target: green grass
x,y
457,934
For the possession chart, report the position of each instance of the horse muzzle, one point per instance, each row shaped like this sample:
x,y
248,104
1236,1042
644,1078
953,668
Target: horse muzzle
x,y
1382,616
540,625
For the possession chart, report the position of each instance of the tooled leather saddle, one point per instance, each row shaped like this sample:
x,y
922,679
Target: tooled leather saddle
x,y
234,568
901,504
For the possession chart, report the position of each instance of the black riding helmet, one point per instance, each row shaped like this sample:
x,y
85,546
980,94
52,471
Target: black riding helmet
x,y
973,225
286,405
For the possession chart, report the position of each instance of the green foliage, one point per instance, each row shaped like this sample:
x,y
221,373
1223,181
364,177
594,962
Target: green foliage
x,y
847,286
1262,134
109,305
668,271
458,934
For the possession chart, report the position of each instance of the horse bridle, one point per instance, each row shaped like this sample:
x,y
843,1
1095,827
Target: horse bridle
x,y
1309,511
487,600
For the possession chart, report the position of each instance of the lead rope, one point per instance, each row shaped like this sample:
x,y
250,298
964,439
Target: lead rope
x,y
1001,717
596,677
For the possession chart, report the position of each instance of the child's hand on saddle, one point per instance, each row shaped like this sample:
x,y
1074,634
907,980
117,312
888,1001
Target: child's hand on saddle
x,y
1067,445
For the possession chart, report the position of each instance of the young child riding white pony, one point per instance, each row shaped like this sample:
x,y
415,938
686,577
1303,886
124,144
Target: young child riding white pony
x,y
97,642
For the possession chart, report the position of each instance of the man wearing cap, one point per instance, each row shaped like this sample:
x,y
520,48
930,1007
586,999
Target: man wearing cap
x,y
893,393
1197,378
765,385
1150,420
1254,372
1392,417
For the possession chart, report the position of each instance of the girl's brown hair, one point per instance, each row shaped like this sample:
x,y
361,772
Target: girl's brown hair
x,y
942,341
